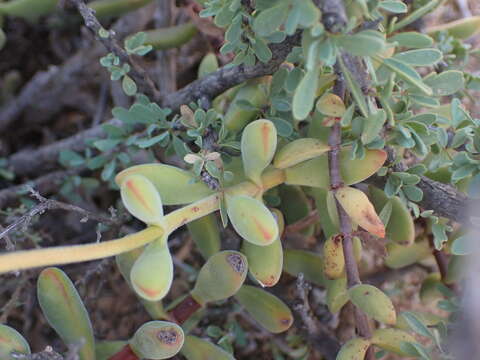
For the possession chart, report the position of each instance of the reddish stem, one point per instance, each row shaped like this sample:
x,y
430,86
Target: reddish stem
x,y
126,353
183,310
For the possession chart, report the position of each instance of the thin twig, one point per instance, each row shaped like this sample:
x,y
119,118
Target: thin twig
x,y
317,334
303,223
50,204
139,74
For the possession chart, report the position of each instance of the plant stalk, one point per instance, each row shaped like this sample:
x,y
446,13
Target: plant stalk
x,y
336,182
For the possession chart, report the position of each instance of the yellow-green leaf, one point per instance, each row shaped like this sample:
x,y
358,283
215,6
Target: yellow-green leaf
x,y
374,303
195,348
10,341
298,151
220,277
152,273
271,312
64,310
157,340
259,141
315,173
354,349
175,186
252,220
142,199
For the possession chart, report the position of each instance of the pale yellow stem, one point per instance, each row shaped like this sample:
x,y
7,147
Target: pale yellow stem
x,y
76,253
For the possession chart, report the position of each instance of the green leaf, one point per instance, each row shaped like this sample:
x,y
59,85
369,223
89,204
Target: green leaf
x,y
268,310
407,73
354,88
446,83
372,126
412,39
461,246
420,57
393,6
258,144
64,310
71,158
175,186
373,302
363,43
417,325
195,348
142,199
304,96
106,144
252,220
11,340
148,284
129,86
269,20
262,51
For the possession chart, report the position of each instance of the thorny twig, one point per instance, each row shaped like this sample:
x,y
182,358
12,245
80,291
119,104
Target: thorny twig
x,y
317,334
111,44
50,204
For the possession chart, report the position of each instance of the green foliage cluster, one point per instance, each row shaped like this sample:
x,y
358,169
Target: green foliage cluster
x,y
261,151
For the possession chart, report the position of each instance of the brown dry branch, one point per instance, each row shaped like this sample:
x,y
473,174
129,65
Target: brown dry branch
x,y
50,204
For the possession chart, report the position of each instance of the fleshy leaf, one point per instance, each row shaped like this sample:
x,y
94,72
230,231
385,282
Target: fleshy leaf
x,y
334,261
195,348
400,227
142,199
337,294
315,172
266,262
206,235
267,309
354,349
157,340
357,205
152,273
252,220
10,341
308,263
400,256
175,186
391,339
64,310
331,105
374,303
220,277
259,141
298,151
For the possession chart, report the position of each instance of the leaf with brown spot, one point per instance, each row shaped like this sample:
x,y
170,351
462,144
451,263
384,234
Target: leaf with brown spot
x,y
157,340
220,277
268,310
331,105
333,259
374,303
357,205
